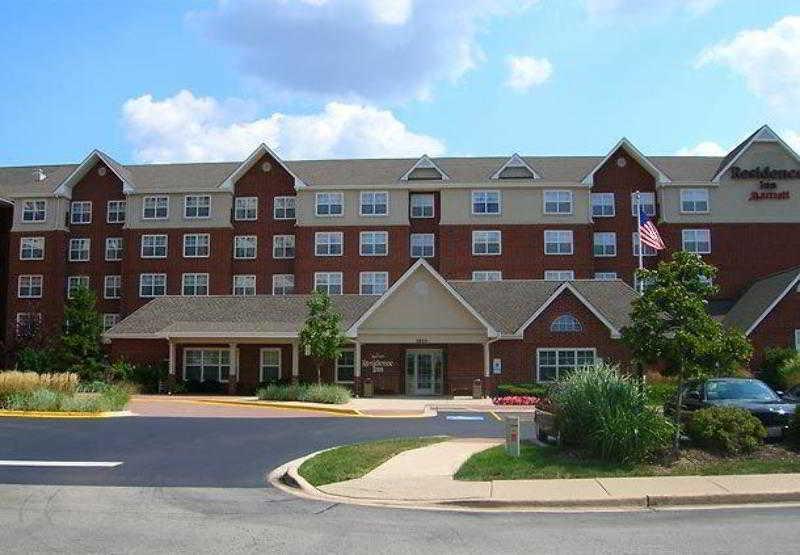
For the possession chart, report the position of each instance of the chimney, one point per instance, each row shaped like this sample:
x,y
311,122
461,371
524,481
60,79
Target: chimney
x,y
39,175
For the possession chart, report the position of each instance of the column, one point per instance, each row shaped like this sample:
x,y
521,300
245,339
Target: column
x,y
234,368
295,361
357,389
172,359
487,361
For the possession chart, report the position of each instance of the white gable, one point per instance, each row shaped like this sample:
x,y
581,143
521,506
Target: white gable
x,y
427,167
517,166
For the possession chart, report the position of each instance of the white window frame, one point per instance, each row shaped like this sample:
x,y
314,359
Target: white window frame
x,y
156,237
605,276
262,366
108,285
195,276
365,241
485,202
613,243
559,275
245,209
362,203
797,340
286,246
117,204
223,369
328,242
156,199
319,275
88,249
558,367
685,198
110,319
558,202
200,202
487,275
338,365
603,204
26,318
566,323
329,198
117,253
363,277
40,241
32,209
413,202
197,246
275,285
83,281
696,241
244,288
30,286
648,250
286,201
153,285
79,208
420,236
558,233
487,233
243,238
650,202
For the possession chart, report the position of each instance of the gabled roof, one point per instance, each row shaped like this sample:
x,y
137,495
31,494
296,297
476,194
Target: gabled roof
x,y
760,298
624,143
424,163
254,157
124,175
515,163
763,134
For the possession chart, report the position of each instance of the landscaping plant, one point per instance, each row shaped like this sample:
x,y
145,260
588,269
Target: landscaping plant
x,y
517,400
12,381
793,434
321,337
325,393
775,359
731,430
80,345
523,389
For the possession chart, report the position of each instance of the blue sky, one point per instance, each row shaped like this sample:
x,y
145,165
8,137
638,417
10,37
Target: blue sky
x,y
154,81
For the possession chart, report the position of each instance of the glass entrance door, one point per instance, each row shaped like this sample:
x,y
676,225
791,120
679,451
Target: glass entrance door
x,y
424,372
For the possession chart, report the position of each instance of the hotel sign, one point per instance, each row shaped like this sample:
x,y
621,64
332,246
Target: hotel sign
x,y
767,186
377,362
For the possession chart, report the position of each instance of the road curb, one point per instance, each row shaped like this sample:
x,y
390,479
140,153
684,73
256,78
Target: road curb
x,y
66,414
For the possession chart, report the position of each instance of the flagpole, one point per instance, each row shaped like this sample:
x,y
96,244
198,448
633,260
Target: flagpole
x,y
639,235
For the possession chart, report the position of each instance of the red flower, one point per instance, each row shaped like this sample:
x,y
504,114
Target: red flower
x,y
517,400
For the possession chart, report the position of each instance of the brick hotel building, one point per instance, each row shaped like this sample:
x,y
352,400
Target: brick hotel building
x,y
445,270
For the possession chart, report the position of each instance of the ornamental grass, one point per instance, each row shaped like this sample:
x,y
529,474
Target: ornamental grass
x,y
12,381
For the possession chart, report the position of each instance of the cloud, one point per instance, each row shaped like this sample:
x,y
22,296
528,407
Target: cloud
x,y
792,138
613,9
189,128
705,148
526,72
768,60
375,49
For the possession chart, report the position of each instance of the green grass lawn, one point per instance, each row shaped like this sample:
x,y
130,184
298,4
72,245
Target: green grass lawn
x,y
354,461
538,462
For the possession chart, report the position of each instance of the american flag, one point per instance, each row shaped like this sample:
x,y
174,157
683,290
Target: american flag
x,y
648,234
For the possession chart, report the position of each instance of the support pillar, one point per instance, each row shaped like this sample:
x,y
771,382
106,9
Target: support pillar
x,y
357,389
295,361
487,367
171,377
233,373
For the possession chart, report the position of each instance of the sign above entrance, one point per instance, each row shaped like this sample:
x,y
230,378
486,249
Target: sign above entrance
x,y
377,361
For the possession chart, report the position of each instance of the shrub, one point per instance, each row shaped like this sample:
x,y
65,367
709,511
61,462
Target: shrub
x,y
517,400
789,373
660,392
730,430
111,398
793,434
524,390
206,386
775,358
26,382
325,393
40,360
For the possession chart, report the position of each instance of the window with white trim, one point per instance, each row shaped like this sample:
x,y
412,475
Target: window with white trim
x,y
283,246
154,246
152,285
244,285
373,283
605,276
558,202
374,243
114,248
797,340
112,287
487,275
421,205
196,245
328,282
485,203
648,201
422,245
116,211
328,243
284,208
245,209
603,205
80,212
30,287
346,367
374,203
604,243
566,323
648,250
31,248
558,242
270,365
34,211
552,364
329,204
283,284
694,201
79,250
76,282
27,324
696,240
110,320
487,243
205,365
155,207
194,285
244,246
559,275
196,207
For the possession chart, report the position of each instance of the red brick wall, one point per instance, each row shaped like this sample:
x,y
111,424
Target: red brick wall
x,y
777,329
429,225
6,217
140,351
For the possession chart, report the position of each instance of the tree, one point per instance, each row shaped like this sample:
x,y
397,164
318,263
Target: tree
x,y
670,325
81,349
321,336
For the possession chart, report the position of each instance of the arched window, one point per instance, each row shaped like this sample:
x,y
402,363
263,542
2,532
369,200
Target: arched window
x,y
566,322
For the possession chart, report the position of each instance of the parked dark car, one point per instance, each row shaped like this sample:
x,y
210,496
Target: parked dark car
x,y
793,394
753,395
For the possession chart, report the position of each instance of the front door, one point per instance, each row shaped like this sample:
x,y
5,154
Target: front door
x,y
424,372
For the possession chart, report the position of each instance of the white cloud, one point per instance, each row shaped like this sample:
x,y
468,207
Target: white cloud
x,y
526,72
188,128
767,59
792,138
705,148
612,9
377,49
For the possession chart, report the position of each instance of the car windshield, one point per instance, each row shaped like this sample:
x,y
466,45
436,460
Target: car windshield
x,y
740,389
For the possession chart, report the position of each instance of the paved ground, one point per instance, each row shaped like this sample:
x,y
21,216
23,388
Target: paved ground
x,y
161,406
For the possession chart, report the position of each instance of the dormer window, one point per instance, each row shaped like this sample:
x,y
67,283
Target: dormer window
x,y
566,323
424,169
515,168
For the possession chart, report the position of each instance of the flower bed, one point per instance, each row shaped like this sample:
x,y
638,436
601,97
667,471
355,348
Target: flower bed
x,y
517,400
325,393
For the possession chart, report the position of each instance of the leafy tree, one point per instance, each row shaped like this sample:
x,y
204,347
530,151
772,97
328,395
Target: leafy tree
x,y
81,349
671,326
321,336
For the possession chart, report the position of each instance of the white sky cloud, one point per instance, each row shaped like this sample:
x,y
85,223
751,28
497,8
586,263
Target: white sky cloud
x,y
705,148
526,72
768,60
611,9
186,127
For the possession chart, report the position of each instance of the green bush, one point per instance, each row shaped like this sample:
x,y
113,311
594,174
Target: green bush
x,y
523,389
326,393
110,398
602,411
793,434
789,373
659,393
775,358
36,360
730,430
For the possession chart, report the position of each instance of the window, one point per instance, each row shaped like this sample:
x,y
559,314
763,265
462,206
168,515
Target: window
x,y
76,282
115,211
605,244
552,364
152,285
244,246
270,367
109,321
114,247
485,202
194,285
34,211
284,208
196,245
244,285
245,208
558,202
486,243
374,203
694,201
328,282
112,287
696,240
155,208
27,324
422,205
31,248
204,365
797,340
345,367
648,201
487,275
283,246
422,245
328,243
329,204
80,212
29,287
648,250
79,250
605,276
566,323
374,283
283,284
559,275
603,205
154,246
374,243
558,242
196,206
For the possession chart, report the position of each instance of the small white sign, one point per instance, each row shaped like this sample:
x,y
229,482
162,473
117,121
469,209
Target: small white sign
x,y
497,366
